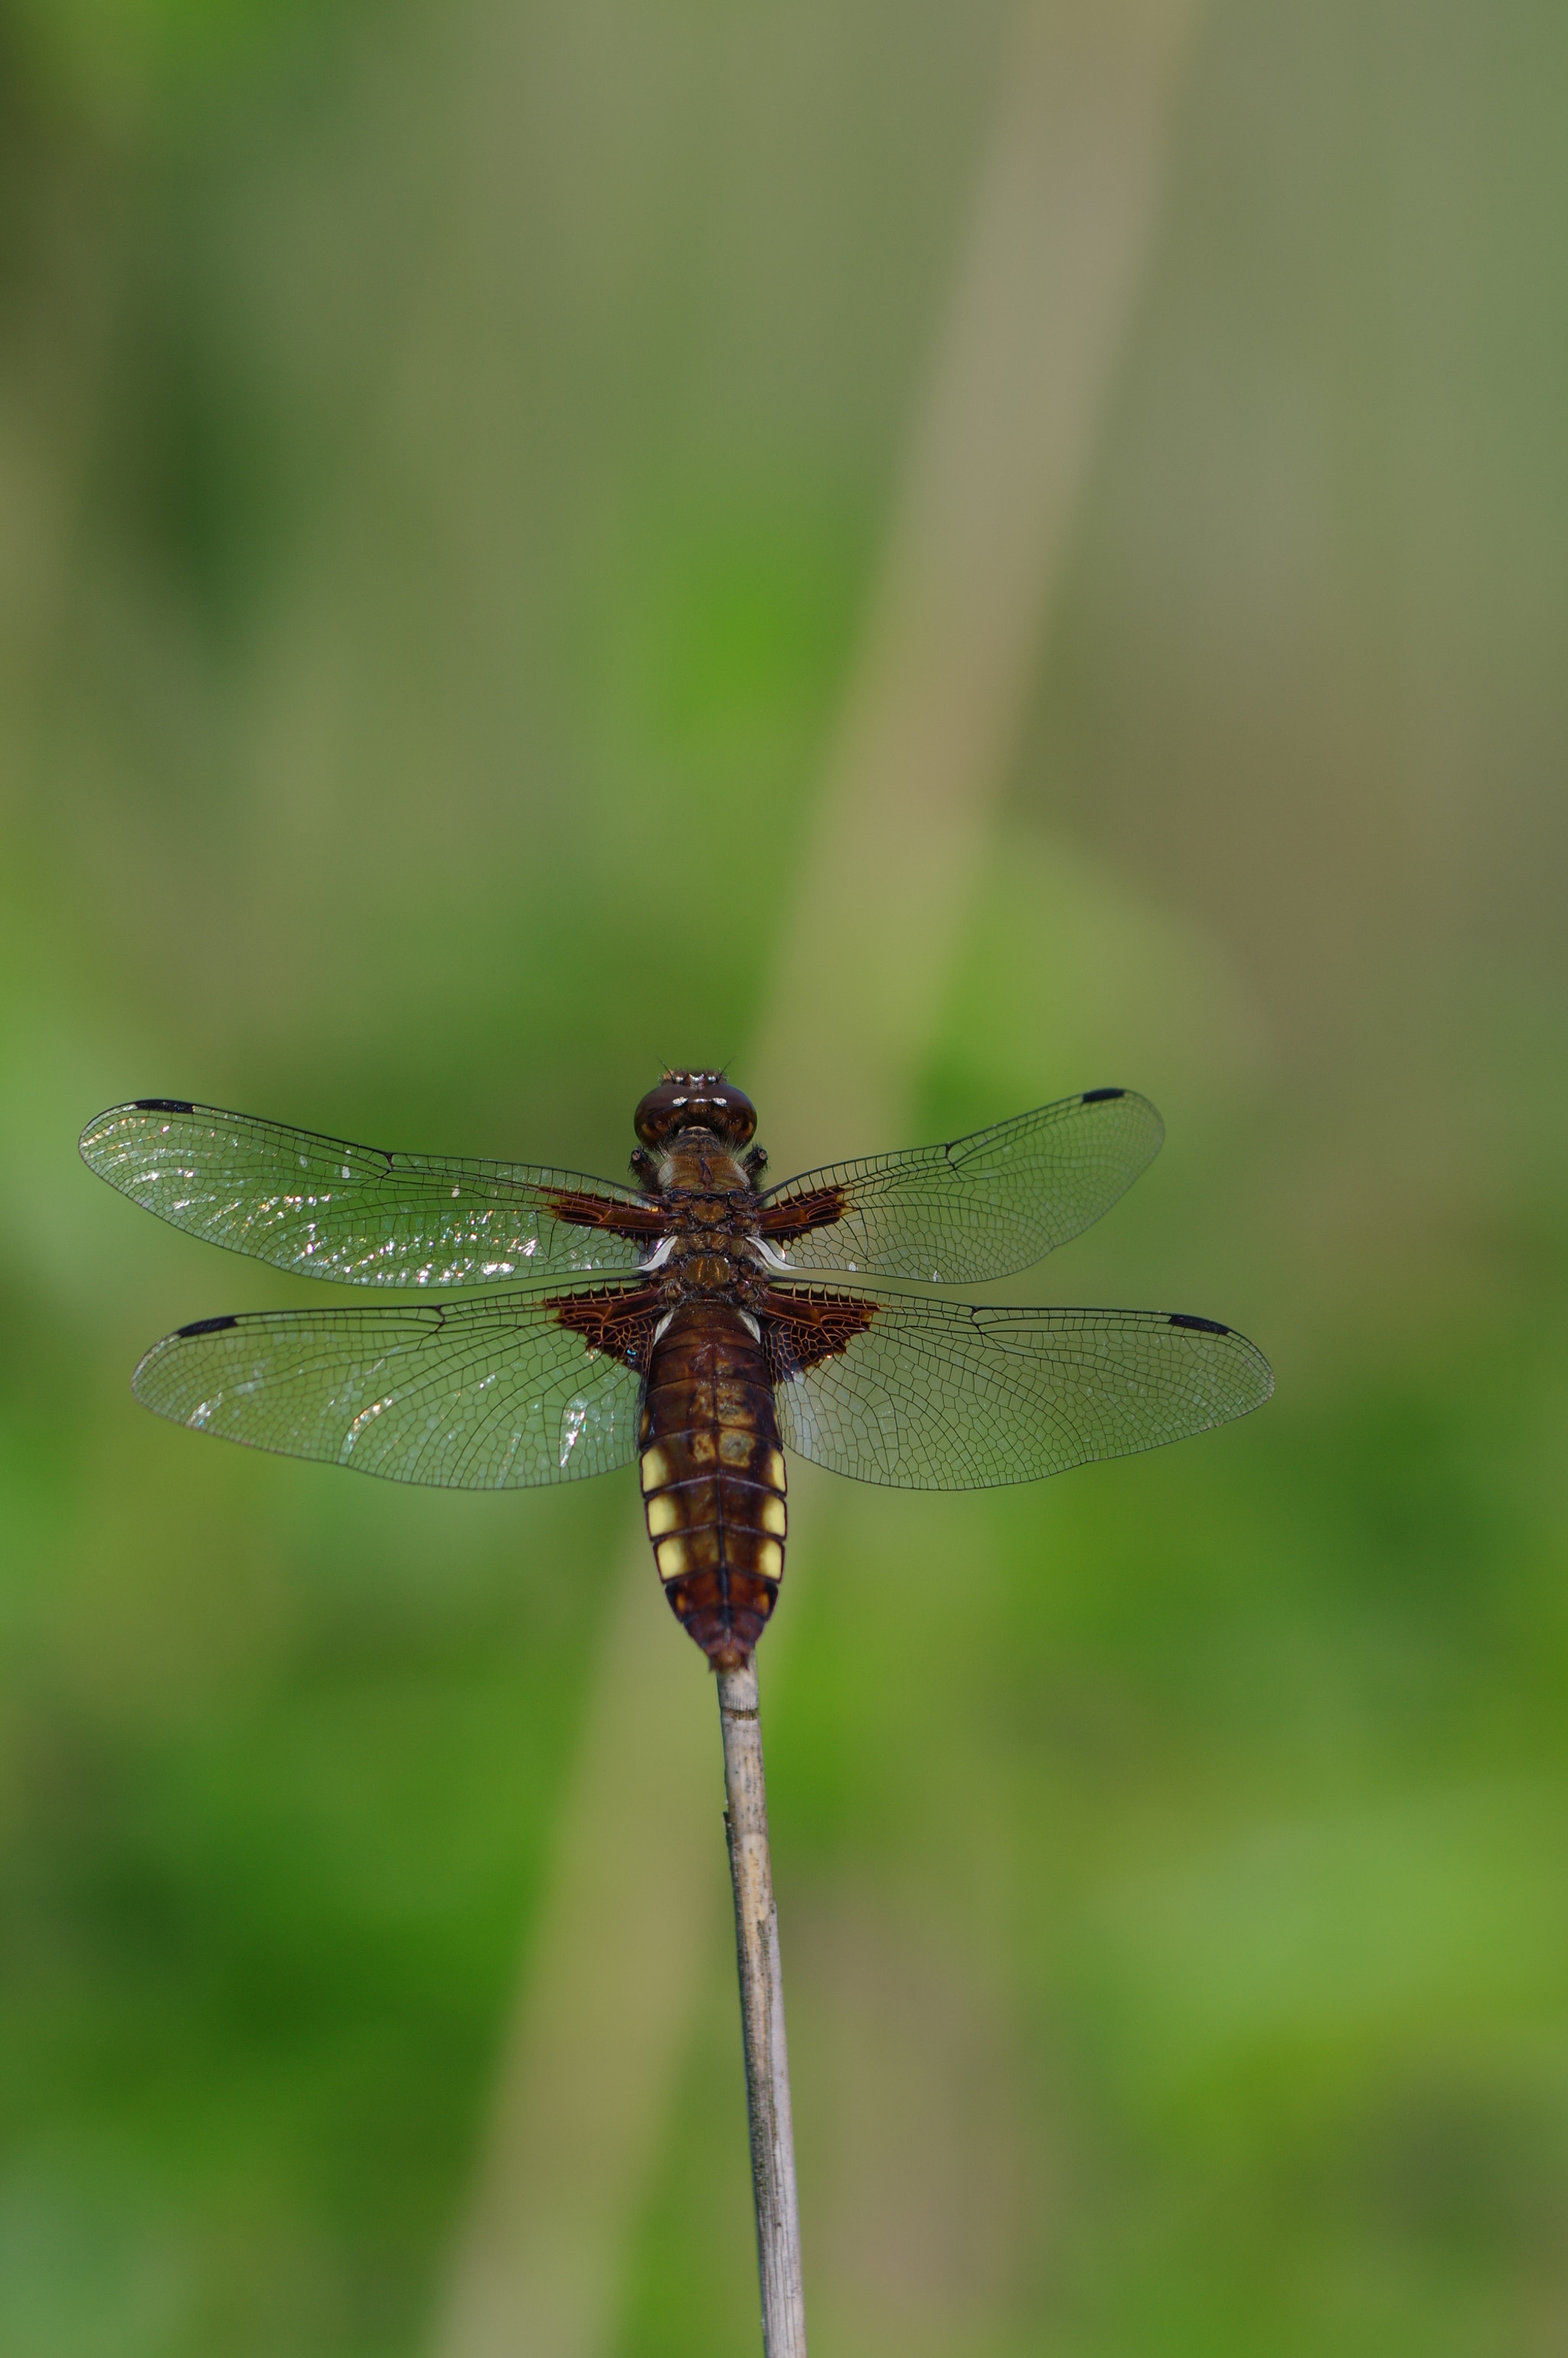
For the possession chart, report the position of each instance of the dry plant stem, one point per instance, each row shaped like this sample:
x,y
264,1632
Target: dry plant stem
x,y
763,2017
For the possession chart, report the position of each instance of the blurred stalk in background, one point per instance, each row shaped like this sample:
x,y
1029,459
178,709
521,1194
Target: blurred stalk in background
x,y
1058,231
445,457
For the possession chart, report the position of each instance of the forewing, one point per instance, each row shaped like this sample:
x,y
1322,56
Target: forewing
x,y
325,1209
978,1208
484,1395
944,1396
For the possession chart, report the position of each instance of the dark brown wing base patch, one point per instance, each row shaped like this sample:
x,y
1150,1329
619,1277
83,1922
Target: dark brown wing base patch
x,y
578,1209
801,1327
796,1215
615,1319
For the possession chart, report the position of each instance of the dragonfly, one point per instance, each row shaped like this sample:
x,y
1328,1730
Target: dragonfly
x,y
695,1323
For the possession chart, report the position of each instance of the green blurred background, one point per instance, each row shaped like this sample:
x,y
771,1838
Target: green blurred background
x,y
445,451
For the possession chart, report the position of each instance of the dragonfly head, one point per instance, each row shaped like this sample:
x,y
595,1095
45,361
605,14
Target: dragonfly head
x,y
696,1101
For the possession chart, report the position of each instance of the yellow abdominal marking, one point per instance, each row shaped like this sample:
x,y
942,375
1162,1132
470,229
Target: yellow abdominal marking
x,y
774,1469
656,1469
772,1517
663,1515
671,1558
770,1560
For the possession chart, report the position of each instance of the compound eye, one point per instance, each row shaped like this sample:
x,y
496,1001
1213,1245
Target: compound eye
x,y
739,1115
660,1112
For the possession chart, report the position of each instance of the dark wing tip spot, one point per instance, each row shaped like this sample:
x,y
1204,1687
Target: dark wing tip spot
x,y
163,1105
1199,1325
1098,1097
206,1326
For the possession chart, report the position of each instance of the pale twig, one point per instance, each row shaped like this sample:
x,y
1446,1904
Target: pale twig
x,y
763,2017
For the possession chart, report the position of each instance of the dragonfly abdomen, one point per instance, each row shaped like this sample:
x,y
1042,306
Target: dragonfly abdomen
x,y
713,1480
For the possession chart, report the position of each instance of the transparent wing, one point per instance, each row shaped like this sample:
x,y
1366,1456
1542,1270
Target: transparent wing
x,y
484,1395
943,1396
325,1209
979,1207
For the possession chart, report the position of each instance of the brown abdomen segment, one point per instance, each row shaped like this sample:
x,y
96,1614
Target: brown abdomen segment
x,y
713,1480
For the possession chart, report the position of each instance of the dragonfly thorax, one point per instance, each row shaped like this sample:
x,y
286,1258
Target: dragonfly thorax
x,y
712,1247
695,1165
